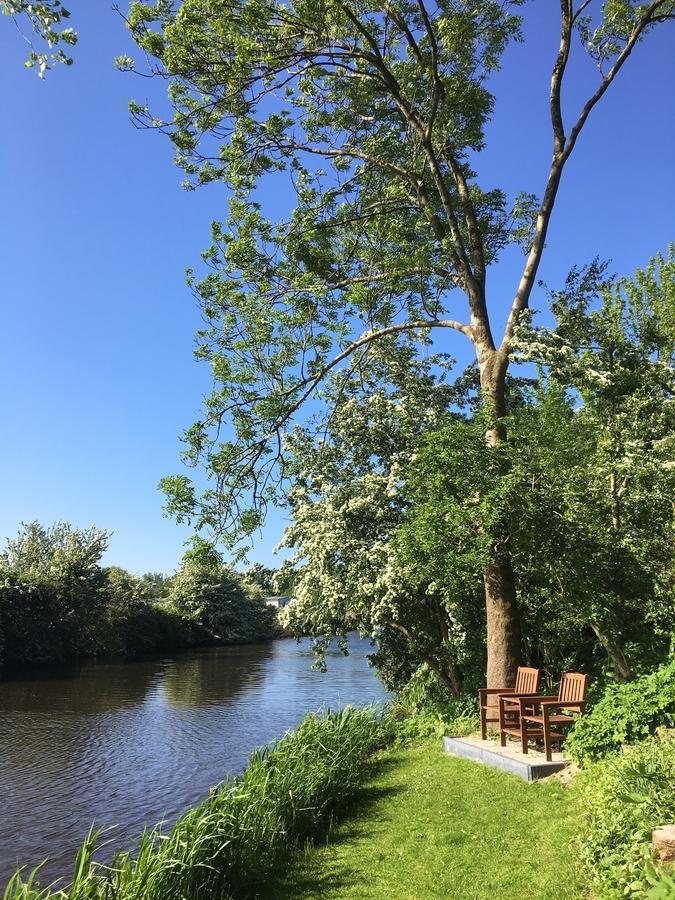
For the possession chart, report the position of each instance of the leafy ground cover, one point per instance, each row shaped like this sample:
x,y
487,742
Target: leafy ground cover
x,y
430,825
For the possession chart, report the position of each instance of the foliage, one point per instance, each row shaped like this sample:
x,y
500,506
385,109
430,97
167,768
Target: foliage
x,y
662,885
46,19
155,585
398,505
626,798
419,713
57,601
229,844
372,118
347,503
134,623
589,448
221,602
262,576
625,714
52,591
613,348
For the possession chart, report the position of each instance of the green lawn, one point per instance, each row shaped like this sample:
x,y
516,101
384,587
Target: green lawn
x,y
430,825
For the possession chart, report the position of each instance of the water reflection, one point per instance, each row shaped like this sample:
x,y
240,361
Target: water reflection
x,y
128,744
214,677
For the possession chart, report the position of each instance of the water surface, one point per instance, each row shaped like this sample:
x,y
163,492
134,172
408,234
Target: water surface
x,y
132,743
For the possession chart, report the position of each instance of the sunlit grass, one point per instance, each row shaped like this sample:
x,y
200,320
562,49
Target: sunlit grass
x,y
430,825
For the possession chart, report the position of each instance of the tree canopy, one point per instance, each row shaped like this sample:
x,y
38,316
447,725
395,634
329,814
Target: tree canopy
x,y
395,516
372,116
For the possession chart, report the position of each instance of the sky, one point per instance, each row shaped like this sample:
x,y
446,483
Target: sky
x,y
97,376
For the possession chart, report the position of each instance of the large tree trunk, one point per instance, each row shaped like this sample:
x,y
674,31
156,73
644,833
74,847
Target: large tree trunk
x,y
502,614
503,624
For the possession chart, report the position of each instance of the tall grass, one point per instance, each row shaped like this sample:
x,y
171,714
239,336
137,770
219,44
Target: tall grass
x,y
228,845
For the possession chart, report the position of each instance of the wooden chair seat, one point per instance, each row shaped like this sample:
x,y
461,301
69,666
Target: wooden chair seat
x,y
527,683
550,714
558,719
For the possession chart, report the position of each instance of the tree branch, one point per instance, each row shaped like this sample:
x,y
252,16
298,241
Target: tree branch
x,y
526,284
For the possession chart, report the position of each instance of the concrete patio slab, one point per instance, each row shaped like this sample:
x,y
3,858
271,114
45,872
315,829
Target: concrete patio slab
x,y
528,766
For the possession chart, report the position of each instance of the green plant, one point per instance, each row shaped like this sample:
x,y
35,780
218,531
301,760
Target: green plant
x,y
412,718
662,885
625,714
626,797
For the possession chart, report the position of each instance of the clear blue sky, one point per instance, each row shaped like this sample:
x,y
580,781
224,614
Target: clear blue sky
x,y
96,360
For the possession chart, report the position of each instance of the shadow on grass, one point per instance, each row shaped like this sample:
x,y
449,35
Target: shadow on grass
x,y
306,878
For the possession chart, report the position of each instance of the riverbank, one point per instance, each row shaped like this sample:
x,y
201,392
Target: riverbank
x,y
430,825
127,744
338,809
190,642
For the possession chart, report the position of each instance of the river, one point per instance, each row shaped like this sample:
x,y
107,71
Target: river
x,y
132,743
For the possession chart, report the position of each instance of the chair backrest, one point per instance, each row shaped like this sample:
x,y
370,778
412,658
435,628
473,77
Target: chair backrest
x,y
527,680
572,688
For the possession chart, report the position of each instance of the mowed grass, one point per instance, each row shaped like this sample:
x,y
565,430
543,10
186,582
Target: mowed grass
x,y
430,825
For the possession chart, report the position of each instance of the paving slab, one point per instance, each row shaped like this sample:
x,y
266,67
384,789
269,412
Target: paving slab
x,y
528,766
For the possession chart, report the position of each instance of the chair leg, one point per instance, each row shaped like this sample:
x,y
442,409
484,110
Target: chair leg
x,y
547,733
523,735
502,734
483,723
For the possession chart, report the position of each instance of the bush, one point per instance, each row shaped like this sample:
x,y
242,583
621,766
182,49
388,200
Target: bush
x,y
626,798
626,714
219,600
231,843
414,717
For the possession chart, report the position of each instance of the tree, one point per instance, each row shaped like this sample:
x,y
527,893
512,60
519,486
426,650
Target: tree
x,y
52,591
155,585
613,348
46,21
348,503
262,576
219,601
375,114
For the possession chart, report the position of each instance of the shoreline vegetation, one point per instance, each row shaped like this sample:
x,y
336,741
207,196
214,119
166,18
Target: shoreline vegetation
x,y
59,604
361,803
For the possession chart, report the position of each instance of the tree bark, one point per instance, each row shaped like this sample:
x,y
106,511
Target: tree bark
x,y
503,624
502,614
615,652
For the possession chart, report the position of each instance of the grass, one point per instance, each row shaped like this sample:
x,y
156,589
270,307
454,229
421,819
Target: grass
x,y
430,825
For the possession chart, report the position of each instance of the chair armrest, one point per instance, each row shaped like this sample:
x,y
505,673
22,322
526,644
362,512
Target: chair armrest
x,y
537,698
496,690
512,697
553,703
531,701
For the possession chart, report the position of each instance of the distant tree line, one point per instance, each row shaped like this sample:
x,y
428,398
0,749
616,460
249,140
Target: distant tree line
x,y
57,602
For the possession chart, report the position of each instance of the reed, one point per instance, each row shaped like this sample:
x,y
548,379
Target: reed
x,y
228,845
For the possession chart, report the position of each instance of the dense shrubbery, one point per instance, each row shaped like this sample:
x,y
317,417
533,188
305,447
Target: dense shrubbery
x,y
57,602
626,797
224,604
408,725
625,714
228,845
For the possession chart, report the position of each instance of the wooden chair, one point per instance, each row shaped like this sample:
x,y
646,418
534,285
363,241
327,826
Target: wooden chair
x,y
527,683
537,716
